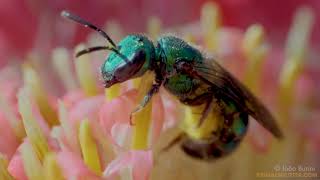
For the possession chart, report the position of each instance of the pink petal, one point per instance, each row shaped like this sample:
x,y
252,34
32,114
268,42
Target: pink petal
x,y
119,133
71,98
141,171
172,110
16,168
230,44
157,116
305,88
86,108
259,137
117,111
73,167
8,140
309,127
140,161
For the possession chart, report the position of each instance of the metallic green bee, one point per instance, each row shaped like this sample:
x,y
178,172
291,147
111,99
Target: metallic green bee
x,y
193,78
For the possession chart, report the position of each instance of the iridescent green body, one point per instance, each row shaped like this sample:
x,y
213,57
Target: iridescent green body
x,y
171,49
189,90
192,91
193,78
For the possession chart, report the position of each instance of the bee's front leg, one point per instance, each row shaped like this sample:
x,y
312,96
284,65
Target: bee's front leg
x,y
152,91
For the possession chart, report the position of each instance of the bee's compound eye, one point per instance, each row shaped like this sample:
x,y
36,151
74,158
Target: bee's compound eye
x,y
130,68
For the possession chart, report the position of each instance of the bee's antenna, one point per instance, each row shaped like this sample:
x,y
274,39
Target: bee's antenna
x,y
87,24
96,48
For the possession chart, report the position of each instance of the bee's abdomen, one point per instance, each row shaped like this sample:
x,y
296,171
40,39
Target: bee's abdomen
x,y
224,141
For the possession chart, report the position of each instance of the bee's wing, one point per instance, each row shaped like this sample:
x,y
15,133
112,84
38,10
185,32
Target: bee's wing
x,y
225,84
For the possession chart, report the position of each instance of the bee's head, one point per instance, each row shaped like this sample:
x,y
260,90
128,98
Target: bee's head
x,y
132,58
129,59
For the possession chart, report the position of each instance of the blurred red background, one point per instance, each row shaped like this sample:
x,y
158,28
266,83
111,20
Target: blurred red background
x,y
29,24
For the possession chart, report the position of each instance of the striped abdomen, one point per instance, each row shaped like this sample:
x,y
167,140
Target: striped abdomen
x,y
225,139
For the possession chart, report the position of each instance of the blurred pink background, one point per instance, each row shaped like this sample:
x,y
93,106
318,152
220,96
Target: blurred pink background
x,y
29,24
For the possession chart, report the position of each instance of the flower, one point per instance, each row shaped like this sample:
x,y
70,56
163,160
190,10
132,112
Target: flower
x,y
79,131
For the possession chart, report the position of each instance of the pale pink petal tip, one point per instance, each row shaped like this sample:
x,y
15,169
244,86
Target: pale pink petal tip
x,y
73,97
16,168
8,140
73,167
141,163
310,130
86,108
117,111
259,137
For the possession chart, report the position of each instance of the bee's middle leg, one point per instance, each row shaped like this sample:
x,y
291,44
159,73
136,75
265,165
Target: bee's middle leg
x,y
206,98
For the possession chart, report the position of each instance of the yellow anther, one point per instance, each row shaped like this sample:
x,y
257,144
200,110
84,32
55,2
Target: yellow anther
x,y
255,50
113,91
142,119
189,38
62,64
154,27
299,34
33,130
51,168
4,174
89,147
210,23
32,81
85,75
136,82
296,48
31,163
254,39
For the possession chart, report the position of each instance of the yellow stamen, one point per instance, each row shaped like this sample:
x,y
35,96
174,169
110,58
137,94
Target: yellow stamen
x,y
85,74
32,80
33,130
136,82
142,119
52,170
4,174
191,122
106,153
62,64
296,48
154,27
31,163
210,23
15,123
296,52
189,38
255,51
89,147
113,91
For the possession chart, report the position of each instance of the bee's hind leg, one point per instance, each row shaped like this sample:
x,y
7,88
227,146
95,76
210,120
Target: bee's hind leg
x,y
206,110
173,142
